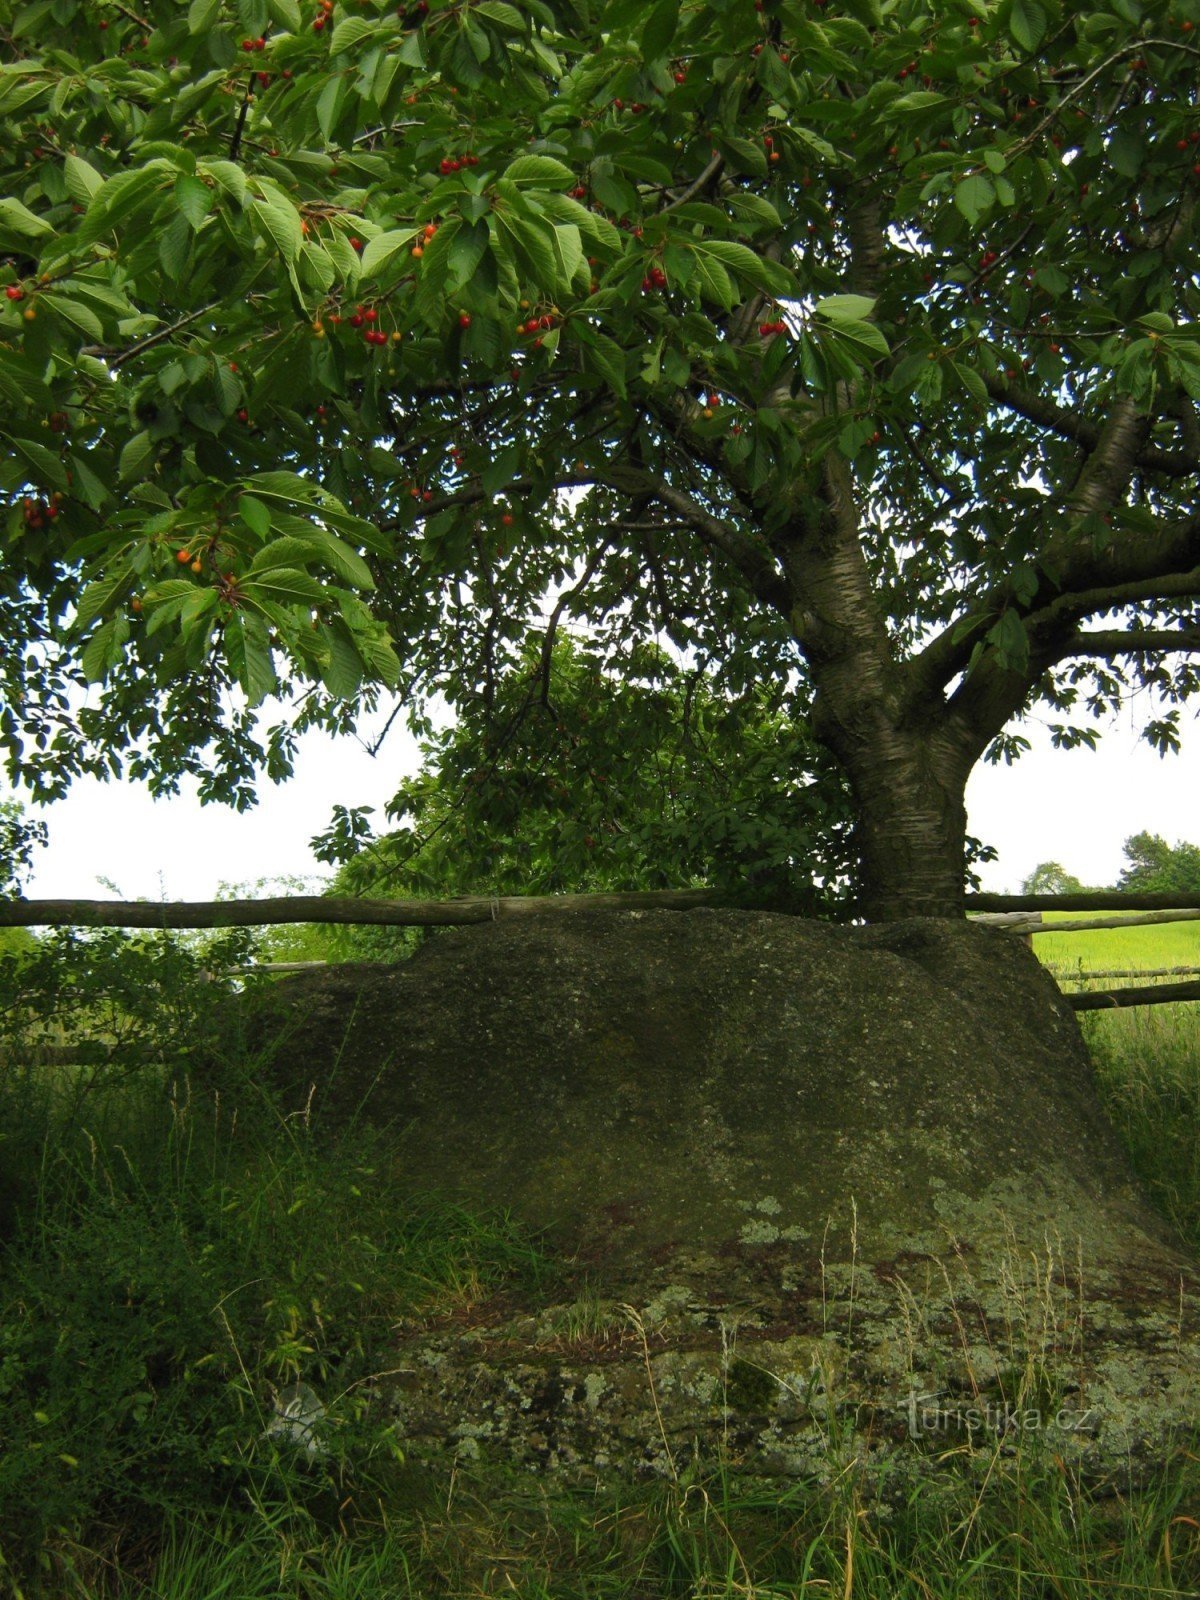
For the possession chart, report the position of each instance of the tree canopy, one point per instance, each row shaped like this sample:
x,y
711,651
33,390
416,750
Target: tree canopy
x,y
848,346
1157,867
1049,877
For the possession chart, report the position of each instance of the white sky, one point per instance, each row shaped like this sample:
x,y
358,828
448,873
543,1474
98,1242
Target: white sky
x,y
1075,807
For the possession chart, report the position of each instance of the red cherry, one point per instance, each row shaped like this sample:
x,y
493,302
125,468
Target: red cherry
x,y
318,24
247,44
14,293
532,325
464,319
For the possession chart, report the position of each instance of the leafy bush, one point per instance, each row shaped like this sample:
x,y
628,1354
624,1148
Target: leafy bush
x,y
174,1252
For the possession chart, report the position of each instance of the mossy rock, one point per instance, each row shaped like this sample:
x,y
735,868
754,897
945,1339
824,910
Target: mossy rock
x,y
866,1164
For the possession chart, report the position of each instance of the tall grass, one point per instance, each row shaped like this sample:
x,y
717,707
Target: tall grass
x,y
173,1252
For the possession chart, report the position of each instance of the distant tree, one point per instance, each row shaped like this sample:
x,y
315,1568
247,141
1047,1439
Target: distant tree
x,y
576,777
18,840
1156,867
1048,877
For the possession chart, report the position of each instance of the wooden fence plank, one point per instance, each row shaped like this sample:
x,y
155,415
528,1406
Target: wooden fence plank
x,y
1155,995
324,908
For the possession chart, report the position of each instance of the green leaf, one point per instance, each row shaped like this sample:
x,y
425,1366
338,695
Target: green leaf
x,y
1027,24
568,250
255,515
287,14
99,597
539,170
918,100
80,317
17,218
748,264
194,199
503,15
742,154
202,14
93,662
467,250
380,250
287,582
971,381
713,280
135,457
974,196
342,559
248,651
845,307
282,221
82,179
660,29
331,101
755,210
341,667
533,250
603,354
412,51
351,31
120,196
47,468
230,177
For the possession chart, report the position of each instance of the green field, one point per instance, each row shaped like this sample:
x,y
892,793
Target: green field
x,y
1159,944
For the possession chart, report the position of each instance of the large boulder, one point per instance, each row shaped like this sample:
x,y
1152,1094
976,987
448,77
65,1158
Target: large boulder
x,y
824,1191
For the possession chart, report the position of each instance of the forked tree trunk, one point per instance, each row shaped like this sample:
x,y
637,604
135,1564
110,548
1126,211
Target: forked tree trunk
x,y
908,779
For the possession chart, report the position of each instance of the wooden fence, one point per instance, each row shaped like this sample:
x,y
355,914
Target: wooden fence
x,y
1020,914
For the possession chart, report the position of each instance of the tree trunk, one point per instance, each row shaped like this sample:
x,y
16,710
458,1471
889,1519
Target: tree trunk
x,y
906,757
909,793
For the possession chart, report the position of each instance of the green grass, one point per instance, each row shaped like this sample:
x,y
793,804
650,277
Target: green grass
x,y
170,1255
1158,944
1147,1057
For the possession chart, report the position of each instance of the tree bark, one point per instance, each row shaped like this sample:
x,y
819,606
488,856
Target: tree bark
x,y
906,759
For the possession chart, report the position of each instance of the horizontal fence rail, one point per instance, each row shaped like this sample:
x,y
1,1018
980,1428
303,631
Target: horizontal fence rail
x,y
323,908
1087,900
1157,994
1018,914
1090,975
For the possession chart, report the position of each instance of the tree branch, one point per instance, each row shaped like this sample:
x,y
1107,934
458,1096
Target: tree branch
x,y
1071,425
1119,642
751,559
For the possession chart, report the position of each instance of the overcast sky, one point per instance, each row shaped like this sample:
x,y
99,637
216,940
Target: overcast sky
x,y
1075,807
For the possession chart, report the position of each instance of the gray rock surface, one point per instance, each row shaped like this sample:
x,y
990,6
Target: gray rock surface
x,y
828,1193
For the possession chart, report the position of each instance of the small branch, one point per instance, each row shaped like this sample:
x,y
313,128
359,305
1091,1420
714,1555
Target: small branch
x,y
1115,642
162,333
755,564
713,170
564,600
235,143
